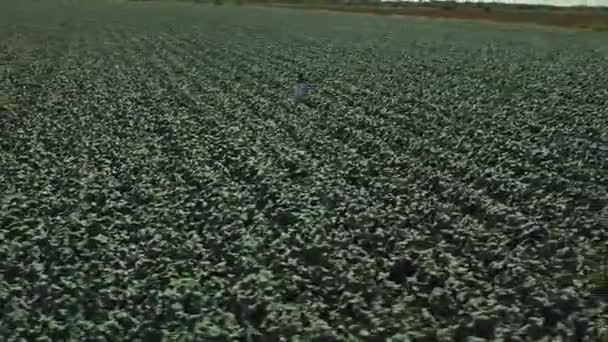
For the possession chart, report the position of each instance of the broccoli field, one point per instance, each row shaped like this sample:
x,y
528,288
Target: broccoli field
x,y
157,181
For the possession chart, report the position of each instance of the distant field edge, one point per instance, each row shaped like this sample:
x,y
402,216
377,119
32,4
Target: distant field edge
x,y
580,18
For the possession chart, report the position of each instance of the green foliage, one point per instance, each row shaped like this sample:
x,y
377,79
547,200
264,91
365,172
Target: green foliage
x,y
159,183
599,279
600,283
446,5
599,27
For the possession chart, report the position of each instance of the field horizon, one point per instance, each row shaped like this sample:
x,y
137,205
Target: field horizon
x,y
572,17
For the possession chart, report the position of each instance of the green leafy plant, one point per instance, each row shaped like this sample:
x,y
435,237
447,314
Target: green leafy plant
x,y
599,279
160,185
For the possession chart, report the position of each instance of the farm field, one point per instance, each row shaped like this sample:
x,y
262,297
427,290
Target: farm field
x,y
157,183
589,18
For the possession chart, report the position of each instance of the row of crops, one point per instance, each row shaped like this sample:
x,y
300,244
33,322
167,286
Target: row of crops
x,y
157,182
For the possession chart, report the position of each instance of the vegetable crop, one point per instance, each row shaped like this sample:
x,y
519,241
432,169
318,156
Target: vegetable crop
x,y
156,182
